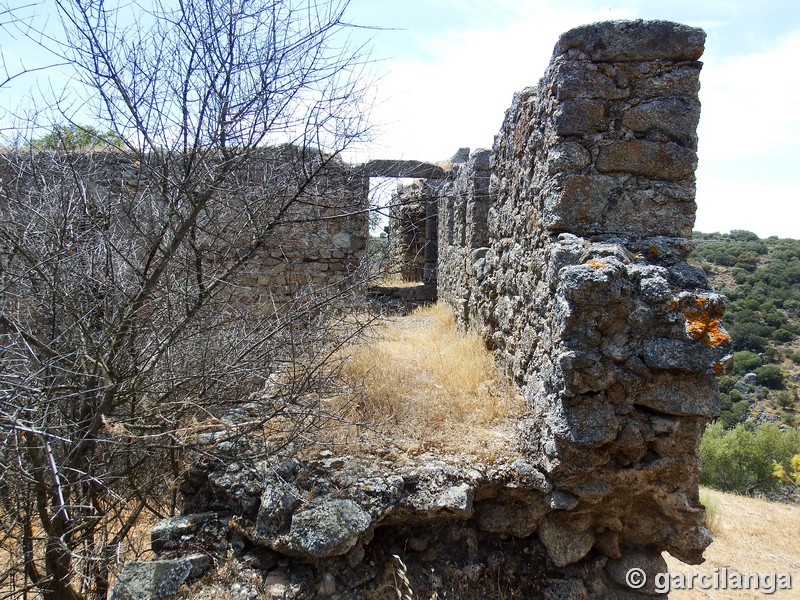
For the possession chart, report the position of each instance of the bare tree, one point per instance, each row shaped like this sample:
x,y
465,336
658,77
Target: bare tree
x,y
122,332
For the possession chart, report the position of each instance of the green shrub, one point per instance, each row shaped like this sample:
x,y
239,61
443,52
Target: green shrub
x,y
770,376
745,362
782,335
795,356
741,460
78,137
792,306
734,415
783,399
775,318
726,382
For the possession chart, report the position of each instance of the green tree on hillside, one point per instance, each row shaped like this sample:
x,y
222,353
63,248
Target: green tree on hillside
x,y
742,460
71,138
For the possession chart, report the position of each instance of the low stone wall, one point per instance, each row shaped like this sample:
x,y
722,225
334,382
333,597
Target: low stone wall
x,y
311,212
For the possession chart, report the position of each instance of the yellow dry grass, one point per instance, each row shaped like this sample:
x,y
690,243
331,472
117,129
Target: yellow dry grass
x,y
421,382
750,536
12,579
394,281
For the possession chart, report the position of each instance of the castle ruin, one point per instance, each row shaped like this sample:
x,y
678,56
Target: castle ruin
x,y
566,247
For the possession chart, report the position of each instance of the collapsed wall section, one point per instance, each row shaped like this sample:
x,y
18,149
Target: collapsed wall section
x,y
583,290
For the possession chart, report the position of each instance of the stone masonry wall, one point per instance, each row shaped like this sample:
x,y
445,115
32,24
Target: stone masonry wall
x,y
582,287
463,230
315,228
407,229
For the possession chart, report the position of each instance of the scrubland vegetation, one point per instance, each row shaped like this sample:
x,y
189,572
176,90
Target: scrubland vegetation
x,y
757,425
761,280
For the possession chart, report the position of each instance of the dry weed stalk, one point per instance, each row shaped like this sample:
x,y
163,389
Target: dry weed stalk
x,y
403,589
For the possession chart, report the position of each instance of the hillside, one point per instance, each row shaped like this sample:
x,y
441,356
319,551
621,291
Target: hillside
x,y
750,535
761,281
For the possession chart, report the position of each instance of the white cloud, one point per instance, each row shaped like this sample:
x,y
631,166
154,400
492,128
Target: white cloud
x,y
457,95
765,208
452,90
751,103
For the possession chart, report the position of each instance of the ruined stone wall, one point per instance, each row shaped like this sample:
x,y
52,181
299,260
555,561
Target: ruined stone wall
x,y
463,230
413,230
320,243
566,248
407,232
314,228
582,287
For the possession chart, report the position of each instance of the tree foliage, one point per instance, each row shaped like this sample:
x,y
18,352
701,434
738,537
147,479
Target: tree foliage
x,y
742,460
71,138
770,376
745,362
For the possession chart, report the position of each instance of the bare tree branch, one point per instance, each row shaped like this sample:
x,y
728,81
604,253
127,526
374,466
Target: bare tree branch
x,y
123,342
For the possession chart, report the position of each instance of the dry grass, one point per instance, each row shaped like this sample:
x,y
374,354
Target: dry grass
x,y
12,579
711,502
420,381
750,535
394,281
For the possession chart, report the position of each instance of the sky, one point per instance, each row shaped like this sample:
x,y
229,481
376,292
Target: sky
x,y
447,70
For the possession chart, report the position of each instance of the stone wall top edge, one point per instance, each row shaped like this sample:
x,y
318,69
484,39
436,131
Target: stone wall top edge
x,y
634,40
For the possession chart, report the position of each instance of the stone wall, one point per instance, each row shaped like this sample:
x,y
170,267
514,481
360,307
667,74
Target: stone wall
x,y
407,218
413,223
463,230
581,286
310,211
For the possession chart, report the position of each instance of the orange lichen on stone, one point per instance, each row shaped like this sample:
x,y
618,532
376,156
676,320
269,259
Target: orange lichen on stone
x,y
702,324
597,263
719,368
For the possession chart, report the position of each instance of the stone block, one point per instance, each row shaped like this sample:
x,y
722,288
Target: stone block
x,y
681,396
327,528
649,562
151,580
625,41
567,157
685,355
564,544
665,161
582,79
675,118
580,116
679,81
577,203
